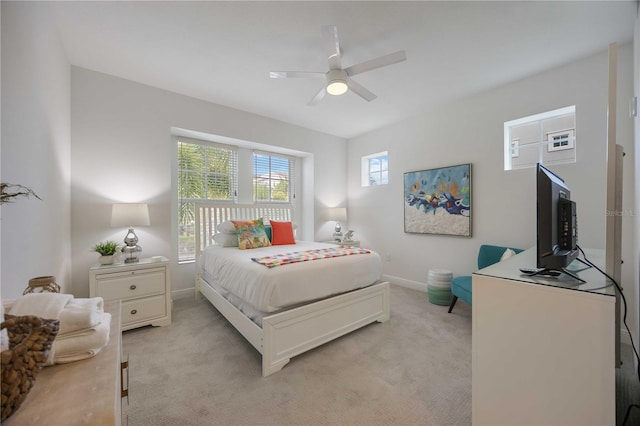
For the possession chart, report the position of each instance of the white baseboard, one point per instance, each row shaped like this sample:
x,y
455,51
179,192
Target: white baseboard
x,y
415,285
183,293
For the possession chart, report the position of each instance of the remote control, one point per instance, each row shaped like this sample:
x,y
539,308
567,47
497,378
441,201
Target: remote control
x,y
539,271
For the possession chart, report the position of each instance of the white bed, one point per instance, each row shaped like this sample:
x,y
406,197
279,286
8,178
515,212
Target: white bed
x,y
294,317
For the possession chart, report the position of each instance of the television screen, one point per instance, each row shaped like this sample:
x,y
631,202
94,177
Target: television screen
x,y
556,224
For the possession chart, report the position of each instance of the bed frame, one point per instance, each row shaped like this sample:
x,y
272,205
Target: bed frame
x,y
292,332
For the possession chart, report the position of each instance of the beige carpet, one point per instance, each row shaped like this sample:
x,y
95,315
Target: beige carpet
x,y
414,369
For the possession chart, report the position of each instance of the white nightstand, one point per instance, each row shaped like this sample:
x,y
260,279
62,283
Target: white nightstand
x,y
345,243
144,288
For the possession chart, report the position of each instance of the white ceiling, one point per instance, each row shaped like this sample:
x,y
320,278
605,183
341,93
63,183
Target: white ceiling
x,y
222,52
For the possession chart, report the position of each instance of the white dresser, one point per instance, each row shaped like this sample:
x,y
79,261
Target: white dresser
x,y
143,287
543,349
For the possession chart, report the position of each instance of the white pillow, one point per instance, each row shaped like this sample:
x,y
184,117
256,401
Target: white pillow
x,y
226,227
507,254
226,240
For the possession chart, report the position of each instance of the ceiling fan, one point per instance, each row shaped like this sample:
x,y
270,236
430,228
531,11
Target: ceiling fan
x,y
339,79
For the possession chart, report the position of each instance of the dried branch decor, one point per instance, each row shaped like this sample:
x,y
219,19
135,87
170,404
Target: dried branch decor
x,y
9,191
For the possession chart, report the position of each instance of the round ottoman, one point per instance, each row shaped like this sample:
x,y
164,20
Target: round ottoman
x,y
439,286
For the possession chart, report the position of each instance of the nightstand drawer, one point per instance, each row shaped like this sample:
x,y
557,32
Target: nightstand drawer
x,y
131,284
143,309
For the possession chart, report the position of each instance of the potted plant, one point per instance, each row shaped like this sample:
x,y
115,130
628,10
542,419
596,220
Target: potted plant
x,y
106,250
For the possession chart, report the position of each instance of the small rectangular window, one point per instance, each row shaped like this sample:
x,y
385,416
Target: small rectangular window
x,y
375,169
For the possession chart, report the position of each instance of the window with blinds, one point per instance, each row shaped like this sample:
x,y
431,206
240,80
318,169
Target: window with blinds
x,y
273,177
206,172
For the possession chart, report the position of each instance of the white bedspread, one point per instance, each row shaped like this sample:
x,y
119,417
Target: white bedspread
x,y
271,289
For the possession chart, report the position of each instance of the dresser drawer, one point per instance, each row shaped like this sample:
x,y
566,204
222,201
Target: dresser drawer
x,y
143,309
131,284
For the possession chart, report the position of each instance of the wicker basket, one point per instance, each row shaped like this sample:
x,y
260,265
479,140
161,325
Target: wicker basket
x,y
43,284
30,340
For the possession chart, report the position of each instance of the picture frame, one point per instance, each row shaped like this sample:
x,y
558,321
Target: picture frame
x,y
438,201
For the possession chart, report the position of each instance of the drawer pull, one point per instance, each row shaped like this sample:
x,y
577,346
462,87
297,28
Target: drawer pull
x,y
132,287
134,311
124,385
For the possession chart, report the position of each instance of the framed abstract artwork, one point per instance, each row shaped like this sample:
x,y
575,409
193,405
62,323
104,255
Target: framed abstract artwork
x,y
438,201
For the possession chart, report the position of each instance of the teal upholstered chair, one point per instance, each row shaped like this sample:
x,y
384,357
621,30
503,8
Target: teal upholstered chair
x,y
487,256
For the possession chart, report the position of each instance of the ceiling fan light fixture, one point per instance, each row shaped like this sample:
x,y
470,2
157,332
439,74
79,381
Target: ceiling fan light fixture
x,y
337,82
338,79
337,88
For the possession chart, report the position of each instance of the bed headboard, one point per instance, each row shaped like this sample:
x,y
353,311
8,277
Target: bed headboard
x,y
210,215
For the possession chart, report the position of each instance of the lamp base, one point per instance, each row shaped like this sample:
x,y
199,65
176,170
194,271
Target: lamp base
x,y
131,253
337,234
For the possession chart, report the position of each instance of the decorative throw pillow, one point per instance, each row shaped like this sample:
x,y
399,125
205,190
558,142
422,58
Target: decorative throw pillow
x,y
282,233
269,231
226,240
251,234
507,254
226,227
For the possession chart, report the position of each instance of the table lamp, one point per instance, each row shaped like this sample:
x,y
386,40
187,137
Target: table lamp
x,y
130,214
339,214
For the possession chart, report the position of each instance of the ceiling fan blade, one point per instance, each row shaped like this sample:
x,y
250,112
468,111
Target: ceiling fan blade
x,y
332,46
318,96
294,74
359,90
382,61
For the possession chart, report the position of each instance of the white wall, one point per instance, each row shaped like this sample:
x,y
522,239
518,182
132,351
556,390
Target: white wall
x,y
122,152
503,211
35,148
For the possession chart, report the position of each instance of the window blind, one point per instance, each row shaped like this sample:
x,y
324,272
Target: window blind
x,y
273,177
207,171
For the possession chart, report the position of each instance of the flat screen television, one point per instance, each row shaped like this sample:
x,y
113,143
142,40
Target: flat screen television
x,y
556,222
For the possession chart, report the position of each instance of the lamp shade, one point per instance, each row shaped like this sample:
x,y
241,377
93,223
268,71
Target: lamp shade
x,y
130,214
338,214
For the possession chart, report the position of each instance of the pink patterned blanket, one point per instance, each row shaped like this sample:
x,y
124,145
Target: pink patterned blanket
x,y
307,255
